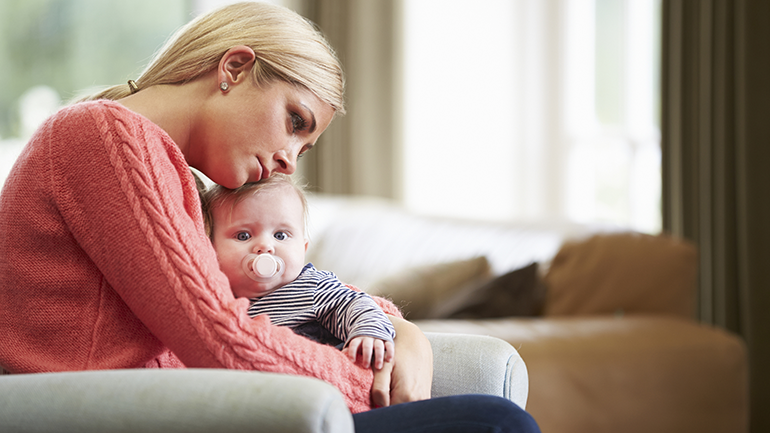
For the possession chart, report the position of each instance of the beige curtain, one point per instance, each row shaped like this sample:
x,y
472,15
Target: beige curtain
x,y
716,165
359,153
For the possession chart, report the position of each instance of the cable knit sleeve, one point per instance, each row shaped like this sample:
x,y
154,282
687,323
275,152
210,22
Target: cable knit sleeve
x,y
129,199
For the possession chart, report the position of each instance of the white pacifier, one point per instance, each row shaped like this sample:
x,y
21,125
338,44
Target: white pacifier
x,y
263,267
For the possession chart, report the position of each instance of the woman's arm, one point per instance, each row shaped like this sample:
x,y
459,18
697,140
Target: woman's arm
x,y
133,208
409,376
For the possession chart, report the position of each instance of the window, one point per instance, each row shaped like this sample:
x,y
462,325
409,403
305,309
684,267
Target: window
x,y
52,51
512,109
533,109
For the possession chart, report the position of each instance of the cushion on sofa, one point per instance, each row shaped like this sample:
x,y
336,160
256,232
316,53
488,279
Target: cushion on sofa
x,y
518,293
433,291
622,272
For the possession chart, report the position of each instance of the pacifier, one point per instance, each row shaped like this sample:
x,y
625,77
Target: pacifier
x,y
263,267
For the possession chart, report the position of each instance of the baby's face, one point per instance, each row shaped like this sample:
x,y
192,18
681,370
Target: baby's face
x,y
270,221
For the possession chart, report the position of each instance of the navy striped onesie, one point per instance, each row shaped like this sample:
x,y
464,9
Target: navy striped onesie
x,y
319,296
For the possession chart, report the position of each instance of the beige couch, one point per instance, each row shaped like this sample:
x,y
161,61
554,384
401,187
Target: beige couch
x,y
602,318
218,400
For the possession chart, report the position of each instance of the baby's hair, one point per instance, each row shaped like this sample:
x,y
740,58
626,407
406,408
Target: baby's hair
x,y
217,196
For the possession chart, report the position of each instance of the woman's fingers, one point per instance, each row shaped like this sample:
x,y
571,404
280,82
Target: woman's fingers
x,y
413,368
381,385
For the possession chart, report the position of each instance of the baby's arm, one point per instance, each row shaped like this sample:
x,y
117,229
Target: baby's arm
x,y
369,351
350,314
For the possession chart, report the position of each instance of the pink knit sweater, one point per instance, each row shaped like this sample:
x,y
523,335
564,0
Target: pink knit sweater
x,y
104,263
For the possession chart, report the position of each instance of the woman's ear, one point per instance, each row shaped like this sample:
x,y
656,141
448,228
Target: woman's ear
x,y
234,65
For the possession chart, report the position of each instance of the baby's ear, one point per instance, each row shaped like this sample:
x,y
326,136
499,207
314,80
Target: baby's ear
x,y
307,243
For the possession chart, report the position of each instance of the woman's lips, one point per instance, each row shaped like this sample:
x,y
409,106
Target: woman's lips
x,y
256,177
265,171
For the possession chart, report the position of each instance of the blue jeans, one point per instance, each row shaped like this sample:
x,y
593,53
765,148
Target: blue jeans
x,y
455,414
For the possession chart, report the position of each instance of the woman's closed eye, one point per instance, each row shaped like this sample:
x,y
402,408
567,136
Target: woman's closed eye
x,y
298,123
304,150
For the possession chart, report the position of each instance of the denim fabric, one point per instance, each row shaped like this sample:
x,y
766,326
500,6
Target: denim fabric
x,y
455,414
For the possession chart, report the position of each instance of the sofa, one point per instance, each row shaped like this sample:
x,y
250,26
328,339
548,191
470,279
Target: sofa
x,y
218,400
602,316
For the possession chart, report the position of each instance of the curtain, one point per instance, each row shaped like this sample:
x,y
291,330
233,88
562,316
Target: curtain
x,y
716,165
359,153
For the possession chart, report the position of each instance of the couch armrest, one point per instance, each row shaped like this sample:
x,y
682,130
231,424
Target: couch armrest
x,y
170,400
477,364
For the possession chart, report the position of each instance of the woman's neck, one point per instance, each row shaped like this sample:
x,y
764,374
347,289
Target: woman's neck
x,y
172,107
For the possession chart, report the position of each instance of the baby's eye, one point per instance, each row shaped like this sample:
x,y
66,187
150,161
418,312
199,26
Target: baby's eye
x,y
281,236
242,236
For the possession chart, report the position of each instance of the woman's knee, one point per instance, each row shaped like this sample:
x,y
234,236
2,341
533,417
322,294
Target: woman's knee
x,y
504,414
462,413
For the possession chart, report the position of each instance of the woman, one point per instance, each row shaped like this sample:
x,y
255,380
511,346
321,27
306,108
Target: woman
x,y
104,261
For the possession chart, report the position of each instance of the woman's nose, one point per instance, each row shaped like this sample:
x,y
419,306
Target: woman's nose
x,y
287,162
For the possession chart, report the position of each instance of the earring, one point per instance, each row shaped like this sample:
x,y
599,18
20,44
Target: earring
x,y
223,86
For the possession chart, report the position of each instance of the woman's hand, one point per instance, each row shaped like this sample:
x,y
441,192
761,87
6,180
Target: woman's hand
x,y
409,376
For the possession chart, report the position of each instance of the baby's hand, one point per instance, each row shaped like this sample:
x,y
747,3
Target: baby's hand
x,y
369,351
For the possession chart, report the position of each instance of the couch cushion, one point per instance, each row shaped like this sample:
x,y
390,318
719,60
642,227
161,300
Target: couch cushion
x,y
518,293
622,273
434,291
363,240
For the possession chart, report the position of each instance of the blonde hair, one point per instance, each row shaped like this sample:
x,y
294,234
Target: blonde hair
x,y
287,46
218,195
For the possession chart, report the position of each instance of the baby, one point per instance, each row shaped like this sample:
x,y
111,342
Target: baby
x,y
258,232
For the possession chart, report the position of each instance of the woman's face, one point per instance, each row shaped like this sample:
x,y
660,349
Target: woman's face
x,y
250,132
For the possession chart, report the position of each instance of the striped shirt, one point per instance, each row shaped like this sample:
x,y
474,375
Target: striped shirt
x,y
320,296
